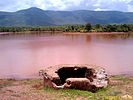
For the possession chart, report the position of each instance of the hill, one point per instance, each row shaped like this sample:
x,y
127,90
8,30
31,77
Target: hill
x,y
38,17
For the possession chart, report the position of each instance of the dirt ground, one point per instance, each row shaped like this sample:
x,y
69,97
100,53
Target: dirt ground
x,y
22,90
32,89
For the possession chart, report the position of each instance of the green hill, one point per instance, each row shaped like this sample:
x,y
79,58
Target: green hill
x,y
38,17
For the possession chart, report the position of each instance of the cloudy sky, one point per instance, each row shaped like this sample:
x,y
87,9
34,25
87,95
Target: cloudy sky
x,y
97,5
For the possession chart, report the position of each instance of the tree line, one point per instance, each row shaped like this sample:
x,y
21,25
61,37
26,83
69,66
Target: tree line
x,y
72,28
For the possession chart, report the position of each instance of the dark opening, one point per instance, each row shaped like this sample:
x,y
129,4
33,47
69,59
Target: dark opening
x,y
74,72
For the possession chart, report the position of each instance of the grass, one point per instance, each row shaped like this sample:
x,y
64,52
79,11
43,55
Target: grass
x,y
119,86
72,94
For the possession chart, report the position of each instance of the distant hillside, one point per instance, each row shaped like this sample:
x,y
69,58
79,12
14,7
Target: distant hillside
x,y
38,17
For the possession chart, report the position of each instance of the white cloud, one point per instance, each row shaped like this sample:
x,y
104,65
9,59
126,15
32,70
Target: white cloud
x,y
99,9
130,8
118,5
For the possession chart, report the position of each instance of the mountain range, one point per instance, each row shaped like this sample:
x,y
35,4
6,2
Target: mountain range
x,y
37,17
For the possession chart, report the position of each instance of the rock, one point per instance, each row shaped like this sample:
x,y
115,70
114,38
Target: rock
x,y
83,77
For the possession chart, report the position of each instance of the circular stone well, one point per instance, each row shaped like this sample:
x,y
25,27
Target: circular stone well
x,y
80,76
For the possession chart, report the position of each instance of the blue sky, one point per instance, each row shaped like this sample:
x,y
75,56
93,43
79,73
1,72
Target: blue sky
x,y
96,5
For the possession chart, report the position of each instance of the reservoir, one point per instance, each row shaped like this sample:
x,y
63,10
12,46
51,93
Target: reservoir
x,y
24,56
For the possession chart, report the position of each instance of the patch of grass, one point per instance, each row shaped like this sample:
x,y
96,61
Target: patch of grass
x,y
73,94
15,95
114,91
122,78
6,82
31,81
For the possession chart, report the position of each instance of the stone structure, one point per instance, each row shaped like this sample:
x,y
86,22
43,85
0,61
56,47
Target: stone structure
x,y
83,77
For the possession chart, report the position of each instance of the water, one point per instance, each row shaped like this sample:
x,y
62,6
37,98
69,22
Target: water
x,y
23,57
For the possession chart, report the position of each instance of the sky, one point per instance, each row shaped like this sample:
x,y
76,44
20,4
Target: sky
x,y
96,5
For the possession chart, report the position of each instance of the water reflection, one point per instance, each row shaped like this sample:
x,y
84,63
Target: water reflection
x,y
26,35
115,36
106,37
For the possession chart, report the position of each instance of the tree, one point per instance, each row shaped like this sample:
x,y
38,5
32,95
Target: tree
x,y
88,27
97,26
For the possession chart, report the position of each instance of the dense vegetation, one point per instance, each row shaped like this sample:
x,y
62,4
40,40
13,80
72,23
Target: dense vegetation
x,y
38,17
73,28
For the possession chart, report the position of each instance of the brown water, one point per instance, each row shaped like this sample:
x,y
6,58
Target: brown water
x,y
22,57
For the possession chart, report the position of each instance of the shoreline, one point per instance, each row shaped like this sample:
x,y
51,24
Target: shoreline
x,y
75,33
96,33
